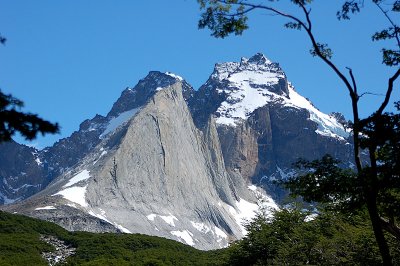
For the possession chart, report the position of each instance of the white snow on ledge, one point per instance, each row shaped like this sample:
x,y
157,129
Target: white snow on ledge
x,y
103,217
75,195
46,208
185,235
201,227
83,175
118,121
168,219
174,75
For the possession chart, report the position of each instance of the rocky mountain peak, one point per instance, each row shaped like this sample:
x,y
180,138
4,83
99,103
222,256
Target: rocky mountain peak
x,y
257,63
259,59
137,96
236,89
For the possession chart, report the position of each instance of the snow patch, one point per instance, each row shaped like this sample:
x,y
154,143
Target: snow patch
x,y
83,175
169,219
46,208
38,161
75,195
174,76
220,233
327,125
118,121
310,217
201,227
100,216
151,217
252,187
185,235
123,229
245,211
103,217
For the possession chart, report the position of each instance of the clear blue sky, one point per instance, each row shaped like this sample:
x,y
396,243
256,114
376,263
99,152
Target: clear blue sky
x,y
70,60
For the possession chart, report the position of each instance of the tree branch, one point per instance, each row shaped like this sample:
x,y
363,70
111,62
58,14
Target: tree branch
x,y
354,82
391,228
307,26
390,21
370,93
388,92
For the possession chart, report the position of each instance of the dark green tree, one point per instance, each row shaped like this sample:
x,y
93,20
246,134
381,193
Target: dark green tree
x,y
294,237
12,120
224,17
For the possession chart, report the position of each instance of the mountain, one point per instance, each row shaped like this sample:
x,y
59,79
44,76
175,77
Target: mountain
x,y
263,123
178,163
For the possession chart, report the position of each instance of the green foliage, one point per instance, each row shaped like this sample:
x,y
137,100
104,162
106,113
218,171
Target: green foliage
x,y
293,25
322,50
220,19
324,181
290,237
20,245
12,120
348,7
377,182
396,6
382,137
390,57
125,249
19,239
2,39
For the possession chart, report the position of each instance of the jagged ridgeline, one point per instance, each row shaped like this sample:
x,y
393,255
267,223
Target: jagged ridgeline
x,y
175,162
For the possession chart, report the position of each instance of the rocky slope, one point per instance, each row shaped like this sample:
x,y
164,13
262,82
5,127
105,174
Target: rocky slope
x,y
178,163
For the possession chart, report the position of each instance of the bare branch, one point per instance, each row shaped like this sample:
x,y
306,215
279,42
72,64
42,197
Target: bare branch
x,y
388,92
354,82
370,93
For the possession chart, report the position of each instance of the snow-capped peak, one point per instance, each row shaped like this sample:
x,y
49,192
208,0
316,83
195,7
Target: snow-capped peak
x,y
258,63
256,82
174,76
